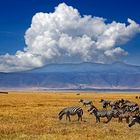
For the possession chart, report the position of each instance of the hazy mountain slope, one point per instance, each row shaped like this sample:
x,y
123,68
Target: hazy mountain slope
x,y
85,75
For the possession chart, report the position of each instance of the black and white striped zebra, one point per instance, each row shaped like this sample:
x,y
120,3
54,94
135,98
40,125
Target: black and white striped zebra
x,y
71,111
105,103
103,113
85,102
133,120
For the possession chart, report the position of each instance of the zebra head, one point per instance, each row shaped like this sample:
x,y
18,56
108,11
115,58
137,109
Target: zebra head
x,y
81,100
122,101
91,108
101,100
93,111
104,104
132,121
60,115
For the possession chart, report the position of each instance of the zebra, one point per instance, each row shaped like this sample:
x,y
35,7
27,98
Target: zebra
x,y
117,103
86,102
134,109
133,120
103,113
125,104
105,103
126,109
125,115
130,107
71,111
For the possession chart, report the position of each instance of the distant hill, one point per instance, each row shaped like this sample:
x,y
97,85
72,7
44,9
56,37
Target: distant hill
x,y
75,76
86,67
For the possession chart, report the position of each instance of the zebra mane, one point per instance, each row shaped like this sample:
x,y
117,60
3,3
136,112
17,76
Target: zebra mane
x,y
92,106
95,108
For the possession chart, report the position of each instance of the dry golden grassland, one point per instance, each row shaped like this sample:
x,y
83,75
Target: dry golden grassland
x,y
34,116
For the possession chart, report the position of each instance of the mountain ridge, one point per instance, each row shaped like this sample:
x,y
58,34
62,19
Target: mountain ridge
x,y
75,76
82,67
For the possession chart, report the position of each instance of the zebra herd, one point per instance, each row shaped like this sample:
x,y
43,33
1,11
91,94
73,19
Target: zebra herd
x,y
121,109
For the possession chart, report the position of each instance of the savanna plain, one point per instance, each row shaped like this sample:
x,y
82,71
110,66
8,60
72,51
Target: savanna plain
x,y
34,116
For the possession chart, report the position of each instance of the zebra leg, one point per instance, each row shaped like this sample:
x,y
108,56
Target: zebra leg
x,y
68,115
84,104
79,116
105,106
120,119
108,118
97,119
69,118
127,120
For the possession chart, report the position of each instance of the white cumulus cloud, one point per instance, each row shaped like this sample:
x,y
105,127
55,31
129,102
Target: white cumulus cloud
x,y
66,36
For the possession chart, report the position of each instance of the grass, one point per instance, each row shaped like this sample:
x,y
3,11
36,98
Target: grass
x,y
34,116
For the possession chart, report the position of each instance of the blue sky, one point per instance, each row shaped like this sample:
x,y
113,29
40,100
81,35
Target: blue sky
x,y
16,18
